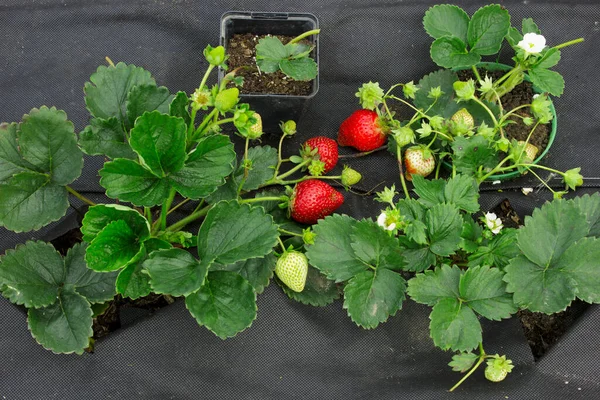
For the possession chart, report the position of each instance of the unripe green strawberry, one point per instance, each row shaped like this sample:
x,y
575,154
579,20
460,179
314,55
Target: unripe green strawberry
x,y
463,117
418,160
255,131
497,368
350,177
292,269
227,99
530,150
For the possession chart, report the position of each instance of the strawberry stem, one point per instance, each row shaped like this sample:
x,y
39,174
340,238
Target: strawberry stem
x,y
288,233
401,168
304,35
482,357
308,177
259,199
80,196
281,244
189,219
364,153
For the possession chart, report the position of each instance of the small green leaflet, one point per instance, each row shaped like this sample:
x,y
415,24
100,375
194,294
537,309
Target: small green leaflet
x,y
175,272
105,137
590,206
559,263
446,20
462,191
462,362
547,81
472,153
498,251
444,79
147,98
292,59
57,291
365,255
257,271
456,296
34,173
487,29
451,52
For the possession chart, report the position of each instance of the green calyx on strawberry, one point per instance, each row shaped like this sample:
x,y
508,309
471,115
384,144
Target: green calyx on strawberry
x,y
312,200
292,269
364,130
418,160
325,148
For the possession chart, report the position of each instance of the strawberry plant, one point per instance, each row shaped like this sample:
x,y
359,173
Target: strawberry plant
x,y
163,151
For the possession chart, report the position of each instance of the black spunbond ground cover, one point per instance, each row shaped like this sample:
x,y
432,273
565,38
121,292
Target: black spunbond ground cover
x,y
49,50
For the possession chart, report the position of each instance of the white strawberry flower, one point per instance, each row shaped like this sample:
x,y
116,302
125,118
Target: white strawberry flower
x,y
384,222
493,223
532,43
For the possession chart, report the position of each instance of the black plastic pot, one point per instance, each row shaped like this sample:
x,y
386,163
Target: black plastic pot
x,y
273,108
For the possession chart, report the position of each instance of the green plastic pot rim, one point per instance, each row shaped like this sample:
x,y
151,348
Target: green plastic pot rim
x,y
491,66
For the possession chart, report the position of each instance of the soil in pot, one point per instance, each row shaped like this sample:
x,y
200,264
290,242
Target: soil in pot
x,y
109,320
242,52
521,94
541,330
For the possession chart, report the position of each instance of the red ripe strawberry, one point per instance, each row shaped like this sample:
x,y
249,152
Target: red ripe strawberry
x,y
418,160
363,130
312,200
327,149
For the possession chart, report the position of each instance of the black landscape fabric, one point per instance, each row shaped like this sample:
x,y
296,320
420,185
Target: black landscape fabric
x,y
50,48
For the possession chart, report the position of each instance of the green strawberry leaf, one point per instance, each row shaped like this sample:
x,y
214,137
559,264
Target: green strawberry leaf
x,y
126,180
133,281
64,326
175,272
549,59
300,69
513,36
263,160
432,286
225,304
471,153
444,226
332,253
446,20
179,107
29,201
374,247
444,79
31,274
430,191
451,52
147,98
463,192
47,141
257,271
233,232
484,291
114,247
371,297
547,81
463,362
498,251
105,137
454,326
106,93
97,217
159,140
206,167
487,29
318,290
471,235
528,26
580,264
546,278
418,257
269,53
590,207
95,287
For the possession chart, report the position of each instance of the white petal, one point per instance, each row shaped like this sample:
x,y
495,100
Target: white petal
x,y
391,227
381,219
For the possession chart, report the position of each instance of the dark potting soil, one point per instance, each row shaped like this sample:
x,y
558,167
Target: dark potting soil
x,y
242,53
541,330
109,320
522,94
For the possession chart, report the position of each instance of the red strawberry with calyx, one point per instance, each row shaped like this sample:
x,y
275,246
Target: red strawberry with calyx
x,y
312,200
326,148
418,160
363,130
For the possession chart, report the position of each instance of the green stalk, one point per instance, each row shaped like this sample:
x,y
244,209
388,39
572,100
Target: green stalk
x,y
148,214
206,74
304,35
476,73
260,199
288,233
401,168
464,378
277,179
165,209
189,219
496,169
80,196
239,190
569,43
308,177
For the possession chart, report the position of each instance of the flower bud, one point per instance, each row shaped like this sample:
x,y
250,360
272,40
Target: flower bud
x,y
214,55
288,127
